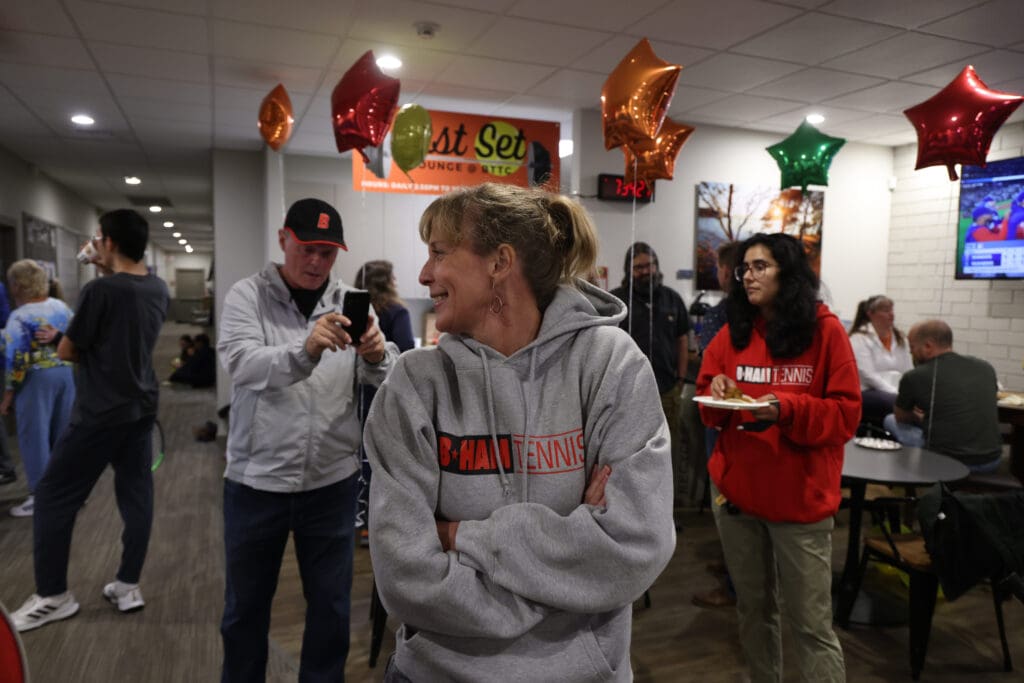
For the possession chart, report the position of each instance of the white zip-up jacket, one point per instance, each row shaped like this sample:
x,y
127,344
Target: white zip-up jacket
x,y
294,422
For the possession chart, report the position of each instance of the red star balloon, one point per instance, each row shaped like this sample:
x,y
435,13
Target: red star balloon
x,y
652,159
275,118
956,126
636,96
362,105
804,157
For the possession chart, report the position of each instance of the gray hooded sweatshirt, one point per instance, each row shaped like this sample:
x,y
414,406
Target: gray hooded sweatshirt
x,y
540,585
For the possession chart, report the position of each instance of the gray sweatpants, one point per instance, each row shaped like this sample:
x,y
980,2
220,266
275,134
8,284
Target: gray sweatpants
x,y
766,559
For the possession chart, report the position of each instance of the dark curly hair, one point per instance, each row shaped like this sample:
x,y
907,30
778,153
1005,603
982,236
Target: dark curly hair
x,y
791,330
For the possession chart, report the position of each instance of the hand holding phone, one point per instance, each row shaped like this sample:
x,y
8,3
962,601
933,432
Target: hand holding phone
x,y
356,307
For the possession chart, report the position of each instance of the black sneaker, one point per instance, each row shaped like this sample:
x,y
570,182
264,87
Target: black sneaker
x,y
8,478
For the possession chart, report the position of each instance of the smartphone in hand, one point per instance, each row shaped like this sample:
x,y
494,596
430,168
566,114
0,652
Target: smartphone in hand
x,y
356,308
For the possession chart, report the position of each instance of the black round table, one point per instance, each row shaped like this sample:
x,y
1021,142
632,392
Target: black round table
x,y
907,466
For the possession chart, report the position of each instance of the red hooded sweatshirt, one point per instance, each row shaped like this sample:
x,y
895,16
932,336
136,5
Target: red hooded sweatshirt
x,y
790,472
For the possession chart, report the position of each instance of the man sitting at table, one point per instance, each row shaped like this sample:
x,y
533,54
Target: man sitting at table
x,y
948,401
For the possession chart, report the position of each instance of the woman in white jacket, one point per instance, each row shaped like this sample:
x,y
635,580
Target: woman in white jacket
x,y
883,355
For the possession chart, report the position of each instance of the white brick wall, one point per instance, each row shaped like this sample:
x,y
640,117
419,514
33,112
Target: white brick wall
x,y
987,317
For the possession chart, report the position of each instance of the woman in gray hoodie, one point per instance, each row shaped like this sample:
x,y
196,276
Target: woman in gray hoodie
x,y
522,490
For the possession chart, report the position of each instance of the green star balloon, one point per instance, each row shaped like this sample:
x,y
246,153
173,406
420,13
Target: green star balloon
x,y
804,157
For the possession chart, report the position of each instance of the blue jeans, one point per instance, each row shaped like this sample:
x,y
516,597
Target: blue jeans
x,y
256,528
42,405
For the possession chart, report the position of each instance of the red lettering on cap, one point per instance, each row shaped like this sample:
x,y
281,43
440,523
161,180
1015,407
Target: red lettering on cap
x,y
323,222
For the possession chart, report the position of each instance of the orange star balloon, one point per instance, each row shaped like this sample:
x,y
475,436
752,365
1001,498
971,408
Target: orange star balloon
x,y
636,96
956,125
275,121
652,159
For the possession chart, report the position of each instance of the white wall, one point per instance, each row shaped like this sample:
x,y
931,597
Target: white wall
x,y
173,261
857,207
987,317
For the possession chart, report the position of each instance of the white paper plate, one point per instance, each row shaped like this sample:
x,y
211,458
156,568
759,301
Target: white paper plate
x,y
731,404
877,444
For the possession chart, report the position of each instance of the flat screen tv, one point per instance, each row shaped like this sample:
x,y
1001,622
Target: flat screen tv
x,y
990,225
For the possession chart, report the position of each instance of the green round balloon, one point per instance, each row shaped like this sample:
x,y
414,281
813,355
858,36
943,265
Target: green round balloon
x,y
410,136
804,157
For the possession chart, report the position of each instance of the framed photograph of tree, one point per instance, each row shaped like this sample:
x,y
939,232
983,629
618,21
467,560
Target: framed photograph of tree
x,y
728,212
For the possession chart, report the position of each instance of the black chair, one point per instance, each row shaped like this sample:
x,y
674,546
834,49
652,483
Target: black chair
x,y
916,555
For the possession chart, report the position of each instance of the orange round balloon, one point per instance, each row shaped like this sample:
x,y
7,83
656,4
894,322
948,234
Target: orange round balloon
x,y
656,158
636,96
276,117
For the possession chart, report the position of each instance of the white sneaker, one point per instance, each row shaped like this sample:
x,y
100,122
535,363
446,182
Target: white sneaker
x,y
25,509
127,596
39,611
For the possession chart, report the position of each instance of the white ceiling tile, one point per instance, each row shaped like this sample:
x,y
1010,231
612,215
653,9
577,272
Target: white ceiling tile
x,y
138,107
727,71
834,116
813,38
418,63
581,88
607,56
606,15
879,124
102,22
686,98
266,75
393,22
493,74
742,108
28,77
533,109
895,139
40,50
36,16
292,47
902,13
719,24
535,42
904,54
320,16
815,85
997,23
993,67
158,89
894,96
139,61
180,6
250,100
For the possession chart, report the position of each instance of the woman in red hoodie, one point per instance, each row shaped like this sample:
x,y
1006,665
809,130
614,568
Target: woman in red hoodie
x,y
775,469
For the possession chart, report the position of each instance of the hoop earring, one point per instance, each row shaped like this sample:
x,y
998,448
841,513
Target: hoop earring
x,y
497,304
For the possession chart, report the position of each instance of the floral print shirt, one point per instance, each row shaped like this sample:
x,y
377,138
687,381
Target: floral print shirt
x,y
22,351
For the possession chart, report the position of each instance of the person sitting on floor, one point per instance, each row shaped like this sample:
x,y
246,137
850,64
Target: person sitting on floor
x,y
200,368
948,401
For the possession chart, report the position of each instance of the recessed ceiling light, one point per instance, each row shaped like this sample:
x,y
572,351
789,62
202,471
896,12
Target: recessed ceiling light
x,y
183,241
168,224
132,180
82,120
188,248
815,118
389,62
175,234
155,209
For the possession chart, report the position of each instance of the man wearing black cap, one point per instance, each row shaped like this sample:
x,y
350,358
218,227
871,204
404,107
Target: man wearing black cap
x,y
293,444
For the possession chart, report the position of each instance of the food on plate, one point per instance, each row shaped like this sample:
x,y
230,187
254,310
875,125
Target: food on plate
x,y
734,395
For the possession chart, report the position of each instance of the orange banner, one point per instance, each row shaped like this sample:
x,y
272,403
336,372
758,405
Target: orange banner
x,y
467,149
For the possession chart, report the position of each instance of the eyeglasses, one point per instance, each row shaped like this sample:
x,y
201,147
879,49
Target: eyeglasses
x,y
756,268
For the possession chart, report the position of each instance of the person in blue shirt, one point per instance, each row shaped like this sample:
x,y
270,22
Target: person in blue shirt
x,y
7,474
40,385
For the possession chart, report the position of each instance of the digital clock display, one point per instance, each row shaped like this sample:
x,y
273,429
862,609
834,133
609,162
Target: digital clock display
x,y
615,187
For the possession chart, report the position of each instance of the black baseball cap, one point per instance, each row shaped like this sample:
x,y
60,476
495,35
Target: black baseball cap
x,y
314,221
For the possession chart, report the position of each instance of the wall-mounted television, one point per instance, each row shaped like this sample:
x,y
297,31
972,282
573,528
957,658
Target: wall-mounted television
x,y
990,221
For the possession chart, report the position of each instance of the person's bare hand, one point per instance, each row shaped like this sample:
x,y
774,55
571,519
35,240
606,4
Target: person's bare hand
x,y
720,385
46,334
327,334
594,495
371,344
446,532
